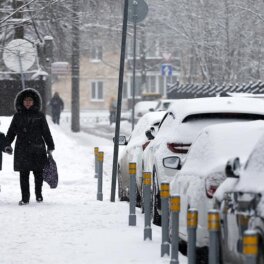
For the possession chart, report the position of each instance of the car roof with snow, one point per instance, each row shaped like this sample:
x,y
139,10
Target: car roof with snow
x,y
251,176
188,107
216,144
145,122
145,106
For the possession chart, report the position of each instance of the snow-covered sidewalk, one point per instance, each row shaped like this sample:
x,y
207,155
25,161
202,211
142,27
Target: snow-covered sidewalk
x,y
71,226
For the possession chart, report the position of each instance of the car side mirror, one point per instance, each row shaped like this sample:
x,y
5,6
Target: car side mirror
x,y
121,140
232,168
172,162
149,135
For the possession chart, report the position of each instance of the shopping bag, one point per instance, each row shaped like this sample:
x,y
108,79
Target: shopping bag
x,y
50,173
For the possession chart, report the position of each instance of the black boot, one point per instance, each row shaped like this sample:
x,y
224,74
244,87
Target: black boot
x,y
39,198
23,202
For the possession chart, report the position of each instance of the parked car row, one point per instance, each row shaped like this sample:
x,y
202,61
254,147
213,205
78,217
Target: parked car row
x,y
188,146
143,107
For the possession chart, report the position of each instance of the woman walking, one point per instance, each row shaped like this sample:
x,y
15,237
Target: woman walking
x,y
32,133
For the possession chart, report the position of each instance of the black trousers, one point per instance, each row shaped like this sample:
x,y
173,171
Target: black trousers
x,y
24,184
56,118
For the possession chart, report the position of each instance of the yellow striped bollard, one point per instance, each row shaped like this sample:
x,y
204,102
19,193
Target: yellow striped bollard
x,y
164,195
147,205
175,207
250,246
100,176
132,193
192,222
96,150
214,236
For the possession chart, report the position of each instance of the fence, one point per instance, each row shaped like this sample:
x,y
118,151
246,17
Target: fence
x,y
87,118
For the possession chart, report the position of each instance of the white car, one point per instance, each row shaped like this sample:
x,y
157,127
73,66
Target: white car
x,y
183,122
144,107
204,170
241,201
164,104
143,132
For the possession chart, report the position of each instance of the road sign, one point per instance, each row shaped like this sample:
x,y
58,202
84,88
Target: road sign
x,y
140,8
166,70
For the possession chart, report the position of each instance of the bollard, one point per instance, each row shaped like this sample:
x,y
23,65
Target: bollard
x,y
243,221
96,150
175,207
132,194
147,205
214,236
192,221
165,194
100,176
250,246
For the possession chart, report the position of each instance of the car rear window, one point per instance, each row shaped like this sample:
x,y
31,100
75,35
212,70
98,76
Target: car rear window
x,y
235,116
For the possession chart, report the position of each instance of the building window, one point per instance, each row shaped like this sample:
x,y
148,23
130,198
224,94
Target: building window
x,y
97,93
96,53
151,84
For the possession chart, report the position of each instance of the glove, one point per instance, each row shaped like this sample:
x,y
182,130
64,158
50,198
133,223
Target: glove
x,y
9,150
49,152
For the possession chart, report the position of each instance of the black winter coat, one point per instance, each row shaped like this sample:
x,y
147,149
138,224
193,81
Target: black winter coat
x,y
31,130
56,104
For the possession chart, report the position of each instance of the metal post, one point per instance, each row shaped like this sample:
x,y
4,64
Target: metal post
x,y
214,232
75,67
100,176
96,150
192,221
132,194
21,70
175,207
164,195
250,246
243,221
48,48
119,101
147,205
135,3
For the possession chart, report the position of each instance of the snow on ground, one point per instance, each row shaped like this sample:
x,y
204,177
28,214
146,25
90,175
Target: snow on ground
x,y
71,226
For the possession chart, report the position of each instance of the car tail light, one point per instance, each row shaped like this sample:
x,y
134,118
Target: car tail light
x,y
145,145
178,147
212,182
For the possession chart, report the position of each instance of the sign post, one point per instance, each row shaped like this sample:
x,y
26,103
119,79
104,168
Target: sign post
x,y
137,11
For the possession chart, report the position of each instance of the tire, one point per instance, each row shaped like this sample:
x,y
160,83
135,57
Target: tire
x,y
138,199
121,193
156,217
202,255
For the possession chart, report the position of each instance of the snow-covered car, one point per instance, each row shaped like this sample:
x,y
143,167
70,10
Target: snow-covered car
x,y
164,104
144,107
240,199
203,170
182,123
143,132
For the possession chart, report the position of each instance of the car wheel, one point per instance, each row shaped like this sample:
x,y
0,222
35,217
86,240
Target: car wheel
x,y
202,255
138,199
121,192
156,217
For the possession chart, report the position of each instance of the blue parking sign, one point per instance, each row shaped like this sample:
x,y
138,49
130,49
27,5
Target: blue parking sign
x,y
166,70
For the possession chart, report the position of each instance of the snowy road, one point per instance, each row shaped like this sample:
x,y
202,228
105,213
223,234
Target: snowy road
x,y
71,226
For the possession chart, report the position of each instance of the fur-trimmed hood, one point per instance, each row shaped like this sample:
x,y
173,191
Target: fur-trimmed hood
x,y
29,92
